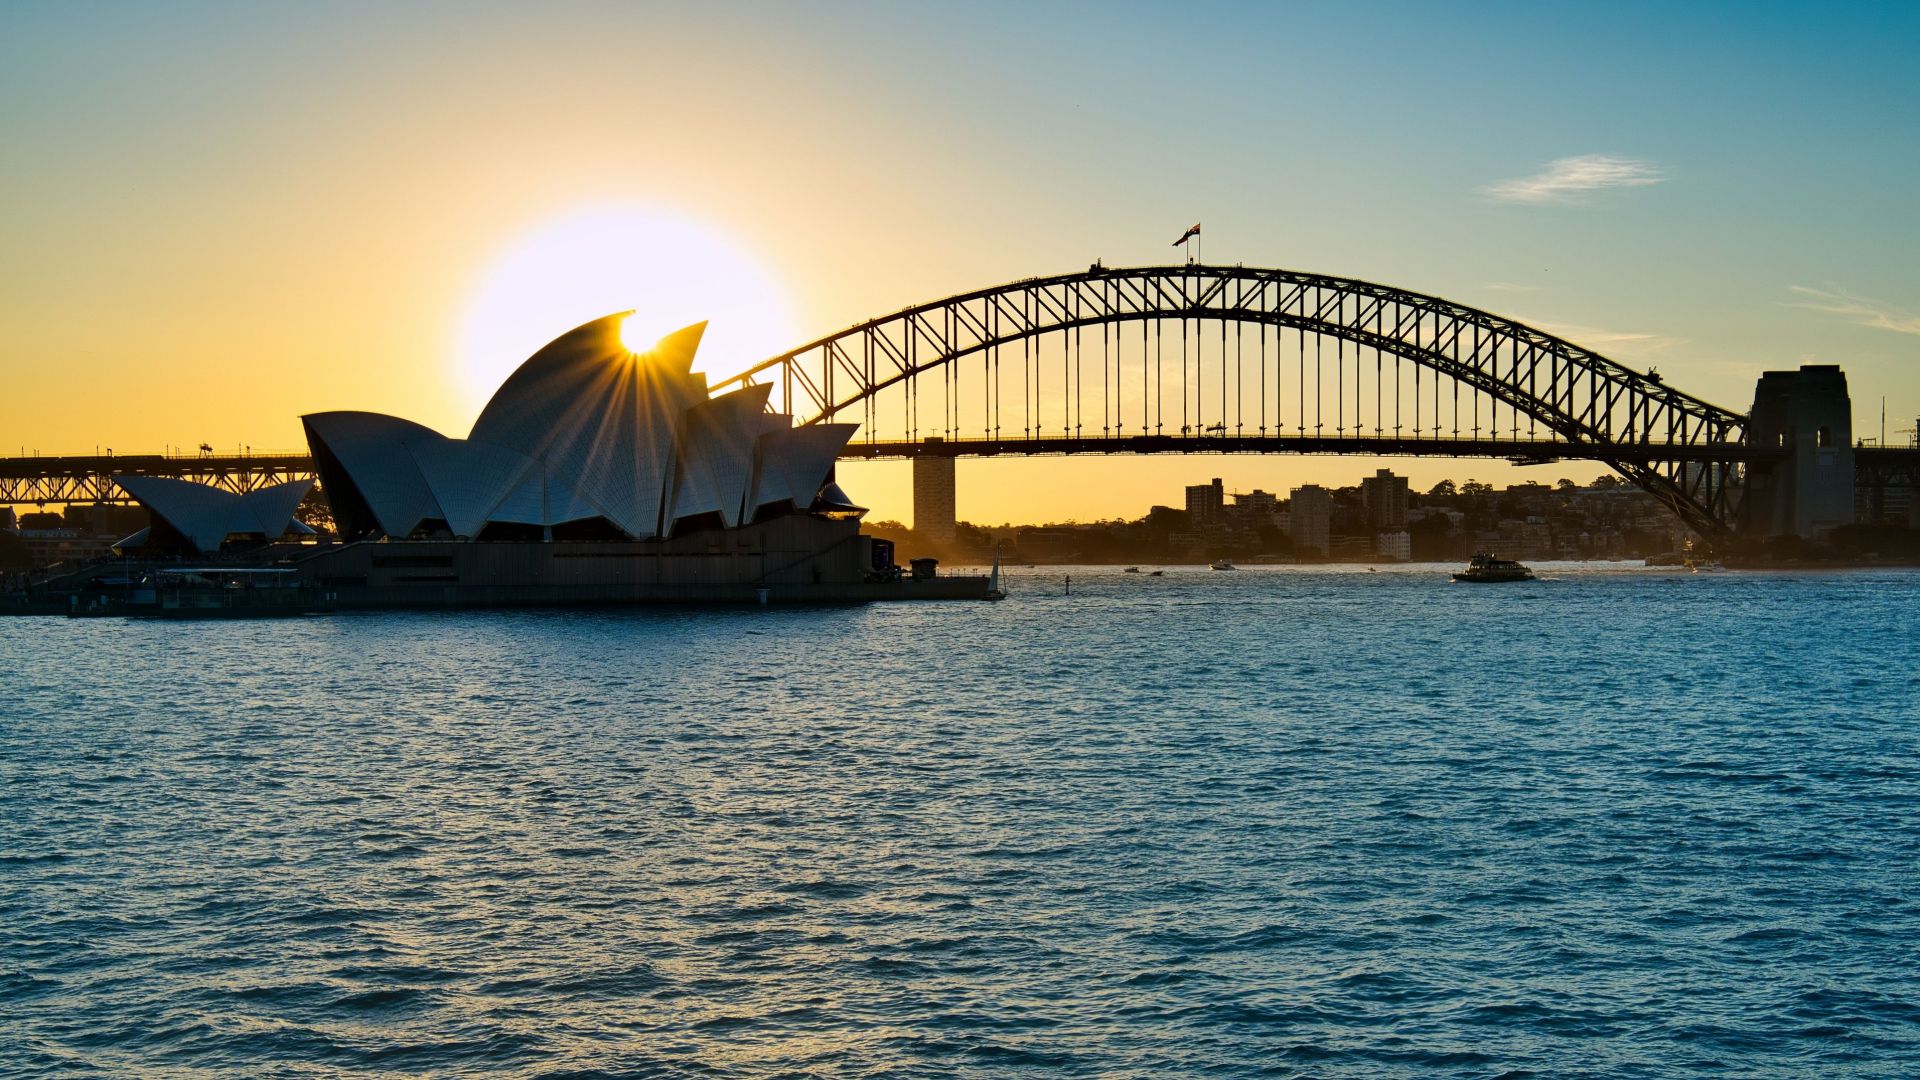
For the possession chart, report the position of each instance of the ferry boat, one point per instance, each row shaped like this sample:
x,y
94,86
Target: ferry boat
x,y
1487,568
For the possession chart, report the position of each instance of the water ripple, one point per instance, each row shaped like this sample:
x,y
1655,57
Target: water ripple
x,y
1307,823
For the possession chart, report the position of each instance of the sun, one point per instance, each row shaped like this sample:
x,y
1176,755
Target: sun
x,y
636,335
670,269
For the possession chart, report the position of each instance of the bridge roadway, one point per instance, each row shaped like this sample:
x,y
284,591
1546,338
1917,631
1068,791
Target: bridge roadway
x,y
88,478
1518,451
43,481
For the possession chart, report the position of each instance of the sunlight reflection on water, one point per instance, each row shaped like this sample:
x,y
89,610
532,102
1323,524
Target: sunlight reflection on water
x,y
1329,822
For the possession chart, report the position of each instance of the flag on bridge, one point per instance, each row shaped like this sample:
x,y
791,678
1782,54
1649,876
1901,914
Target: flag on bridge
x,y
1188,235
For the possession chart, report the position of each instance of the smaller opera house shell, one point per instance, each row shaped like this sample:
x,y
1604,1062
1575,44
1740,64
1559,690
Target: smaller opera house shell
x,y
199,518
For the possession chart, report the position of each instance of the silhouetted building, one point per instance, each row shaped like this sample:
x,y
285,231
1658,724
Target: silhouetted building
x,y
1256,507
933,513
1396,545
1050,543
1385,496
1310,518
1206,503
1350,548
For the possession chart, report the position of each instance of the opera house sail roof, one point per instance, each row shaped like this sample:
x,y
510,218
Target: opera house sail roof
x,y
585,435
201,517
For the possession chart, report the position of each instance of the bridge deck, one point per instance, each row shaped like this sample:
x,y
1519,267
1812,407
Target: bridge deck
x,y
1542,450
88,478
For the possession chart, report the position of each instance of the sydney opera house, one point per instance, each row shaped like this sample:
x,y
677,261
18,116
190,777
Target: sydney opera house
x,y
595,474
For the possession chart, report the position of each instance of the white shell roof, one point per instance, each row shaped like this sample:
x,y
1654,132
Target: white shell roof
x,y
717,455
794,463
207,515
587,428
601,417
468,479
372,447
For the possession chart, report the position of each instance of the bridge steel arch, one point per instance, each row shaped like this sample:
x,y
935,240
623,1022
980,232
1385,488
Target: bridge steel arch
x,y
1681,449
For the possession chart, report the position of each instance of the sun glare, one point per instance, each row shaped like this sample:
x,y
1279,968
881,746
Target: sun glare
x,y
671,270
633,334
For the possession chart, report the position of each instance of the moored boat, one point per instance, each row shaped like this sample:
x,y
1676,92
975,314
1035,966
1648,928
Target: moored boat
x,y
1487,568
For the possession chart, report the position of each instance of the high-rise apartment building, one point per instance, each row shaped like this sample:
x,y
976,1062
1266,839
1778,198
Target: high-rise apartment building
x,y
1206,503
1310,518
933,514
1386,497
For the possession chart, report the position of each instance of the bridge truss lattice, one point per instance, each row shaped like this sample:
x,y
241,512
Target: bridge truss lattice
x,y
85,479
1199,359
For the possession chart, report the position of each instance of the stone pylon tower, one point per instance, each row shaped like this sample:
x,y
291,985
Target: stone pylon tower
x,y
1808,490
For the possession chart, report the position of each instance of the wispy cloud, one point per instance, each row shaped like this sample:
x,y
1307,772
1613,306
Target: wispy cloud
x,y
1622,342
1834,300
1565,179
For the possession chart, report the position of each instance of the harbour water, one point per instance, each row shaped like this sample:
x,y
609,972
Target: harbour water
x,y
1328,822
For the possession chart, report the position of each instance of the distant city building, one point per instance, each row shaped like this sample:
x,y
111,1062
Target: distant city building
x,y
1536,540
1350,548
1386,498
1310,518
49,546
1206,503
1051,543
933,513
1256,507
1396,545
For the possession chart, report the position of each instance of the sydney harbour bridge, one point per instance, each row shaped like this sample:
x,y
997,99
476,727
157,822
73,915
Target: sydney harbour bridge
x,y
1201,359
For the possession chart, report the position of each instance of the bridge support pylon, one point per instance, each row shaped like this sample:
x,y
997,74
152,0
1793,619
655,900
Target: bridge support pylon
x,y
1808,491
933,514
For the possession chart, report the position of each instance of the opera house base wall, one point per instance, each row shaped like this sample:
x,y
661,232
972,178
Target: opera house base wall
x,y
792,559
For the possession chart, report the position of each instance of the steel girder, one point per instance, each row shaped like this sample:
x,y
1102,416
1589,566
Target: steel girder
x,y
41,481
1877,468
